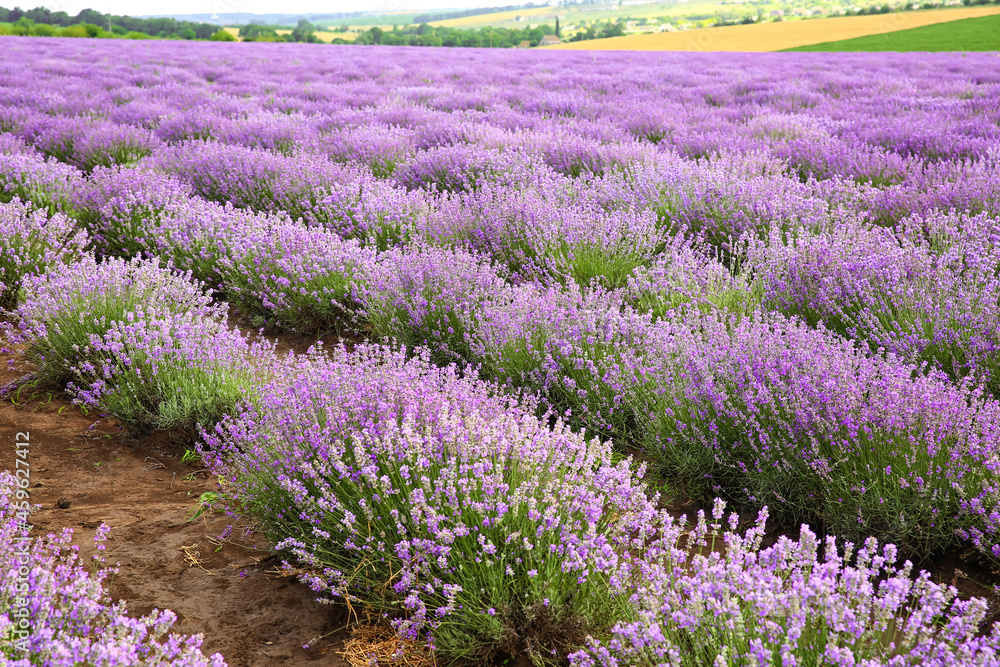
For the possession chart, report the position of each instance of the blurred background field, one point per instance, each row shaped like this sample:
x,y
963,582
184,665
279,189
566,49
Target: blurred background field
x,y
972,34
626,25
947,34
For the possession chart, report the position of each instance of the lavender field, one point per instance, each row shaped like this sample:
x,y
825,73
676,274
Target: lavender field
x,y
577,291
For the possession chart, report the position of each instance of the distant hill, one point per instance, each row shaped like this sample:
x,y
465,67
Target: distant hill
x,y
342,18
243,18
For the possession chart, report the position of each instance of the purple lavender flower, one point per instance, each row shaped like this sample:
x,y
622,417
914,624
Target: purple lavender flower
x,y
60,311
737,601
31,243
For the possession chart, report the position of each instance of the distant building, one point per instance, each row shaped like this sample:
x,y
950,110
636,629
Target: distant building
x,y
549,40
523,45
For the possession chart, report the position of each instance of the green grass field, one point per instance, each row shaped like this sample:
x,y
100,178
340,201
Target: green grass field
x,y
977,34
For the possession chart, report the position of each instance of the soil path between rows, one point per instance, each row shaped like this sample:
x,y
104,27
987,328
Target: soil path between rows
x,y
249,614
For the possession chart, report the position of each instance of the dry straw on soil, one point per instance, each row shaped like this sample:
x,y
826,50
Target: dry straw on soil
x,y
778,36
381,643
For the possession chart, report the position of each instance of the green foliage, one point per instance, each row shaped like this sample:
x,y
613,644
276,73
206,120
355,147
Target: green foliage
x,y
426,35
157,382
42,22
303,32
259,33
73,31
598,31
190,456
205,501
223,36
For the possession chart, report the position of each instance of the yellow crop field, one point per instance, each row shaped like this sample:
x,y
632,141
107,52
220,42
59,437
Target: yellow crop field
x,y
326,35
330,36
493,18
777,36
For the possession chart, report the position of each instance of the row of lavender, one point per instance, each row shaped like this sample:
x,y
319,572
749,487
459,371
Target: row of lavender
x,y
437,499
880,421
554,248
924,291
185,352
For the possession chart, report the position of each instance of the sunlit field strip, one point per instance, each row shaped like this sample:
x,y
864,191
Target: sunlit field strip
x,y
778,36
973,34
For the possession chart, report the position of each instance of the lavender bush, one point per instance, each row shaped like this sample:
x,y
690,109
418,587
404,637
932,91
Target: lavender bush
x,y
60,311
138,212
467,168
345,199
717,598
141,342
159,370
434,500
686,274
381,148
86,144
928,296
44,184
542,235
121,208
427,296
293,275
777,413
31,243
